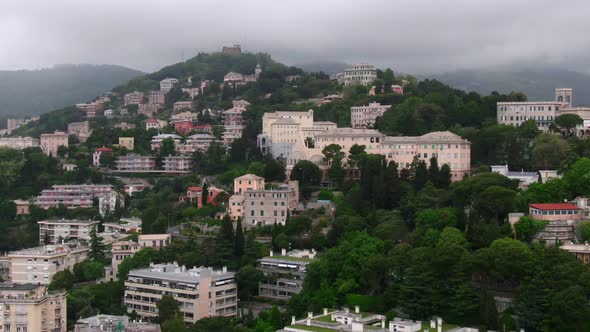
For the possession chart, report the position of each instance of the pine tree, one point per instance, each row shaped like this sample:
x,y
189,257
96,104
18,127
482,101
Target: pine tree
x,y
239,240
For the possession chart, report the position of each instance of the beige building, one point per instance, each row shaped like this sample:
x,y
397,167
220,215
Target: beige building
x,y
133,98
127,143
58,230
39,264
120,250
80,130
267,207
248,182
365,116
22,207
50,142
155,241
31,308
201,292
19,143
182,105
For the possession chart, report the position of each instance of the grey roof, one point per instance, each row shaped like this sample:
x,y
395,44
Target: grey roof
x,y
11,286
521,174
172,273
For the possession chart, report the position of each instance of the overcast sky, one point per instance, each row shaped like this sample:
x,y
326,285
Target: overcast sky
x,y
417,36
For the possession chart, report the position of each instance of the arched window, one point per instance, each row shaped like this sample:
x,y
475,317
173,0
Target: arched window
x,y
560,98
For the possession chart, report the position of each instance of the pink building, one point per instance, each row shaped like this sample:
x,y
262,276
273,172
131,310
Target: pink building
x,y
248,182
72,196
182,105
98,153
195,142
51,142
148,109
94,107
203,129
134,188
194,194
133,98
233,124
80,130
365,116
398,89
177,164
184,126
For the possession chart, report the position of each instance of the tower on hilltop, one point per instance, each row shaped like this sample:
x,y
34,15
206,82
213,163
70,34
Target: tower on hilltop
x,y
232,50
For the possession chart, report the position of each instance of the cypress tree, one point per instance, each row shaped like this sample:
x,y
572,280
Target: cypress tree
x,y
239,240
204,195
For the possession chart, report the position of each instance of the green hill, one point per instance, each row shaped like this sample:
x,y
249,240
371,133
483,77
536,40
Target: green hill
x,y
34,92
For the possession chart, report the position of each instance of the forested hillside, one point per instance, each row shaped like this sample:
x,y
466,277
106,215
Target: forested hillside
x,y
33,92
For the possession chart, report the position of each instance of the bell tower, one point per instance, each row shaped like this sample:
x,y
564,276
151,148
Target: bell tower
x,y
564,95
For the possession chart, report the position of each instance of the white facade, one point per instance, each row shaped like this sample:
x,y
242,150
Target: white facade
x,y
167,84
61,229
19,143
365,116
363,74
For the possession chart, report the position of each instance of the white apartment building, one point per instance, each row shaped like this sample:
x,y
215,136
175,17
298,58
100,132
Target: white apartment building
x,y
39,264
30,307
167,84
177,164
284,273
58,230
201,292
19,143
124,226
365,116
363,74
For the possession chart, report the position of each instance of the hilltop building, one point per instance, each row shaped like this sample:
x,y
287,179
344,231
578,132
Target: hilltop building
x,y
363,74
167,84
236,49
202,292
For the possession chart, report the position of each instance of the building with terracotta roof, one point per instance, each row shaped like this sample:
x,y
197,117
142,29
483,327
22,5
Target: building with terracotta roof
x,y
561,218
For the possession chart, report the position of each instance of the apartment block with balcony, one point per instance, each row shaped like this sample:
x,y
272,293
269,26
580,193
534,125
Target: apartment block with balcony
x,y
201,292
112,323
72,196
58,230
31,307
177,164
135,163
156,141
365,116
40,264
284,273
363,74
233,124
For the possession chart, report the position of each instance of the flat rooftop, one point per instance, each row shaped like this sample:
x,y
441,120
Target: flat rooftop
x,y
68,221
173,272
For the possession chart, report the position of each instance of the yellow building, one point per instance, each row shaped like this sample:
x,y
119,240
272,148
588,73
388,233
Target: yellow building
x,y
127,142
30,307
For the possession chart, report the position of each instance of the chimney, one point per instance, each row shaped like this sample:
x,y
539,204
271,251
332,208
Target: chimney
x,y
325,311
292,320
357,309
283,252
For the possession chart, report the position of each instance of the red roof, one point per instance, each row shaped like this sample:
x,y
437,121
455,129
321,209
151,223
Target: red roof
x,y
197,189
104,149
554,206
151,120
